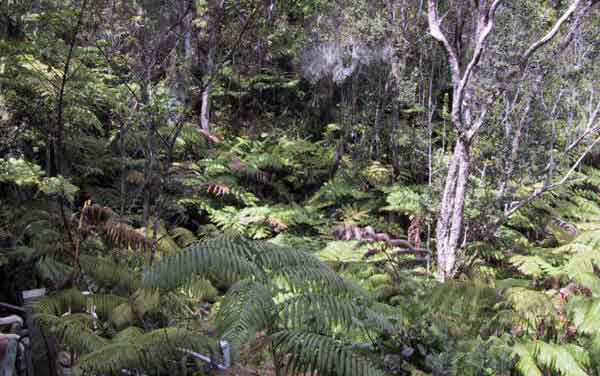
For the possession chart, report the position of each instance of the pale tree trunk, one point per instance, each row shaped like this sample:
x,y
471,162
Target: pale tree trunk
x,y
449,230
450,226
211,57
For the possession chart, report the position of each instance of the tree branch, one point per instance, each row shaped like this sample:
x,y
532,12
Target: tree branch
x,y
538,192
550,35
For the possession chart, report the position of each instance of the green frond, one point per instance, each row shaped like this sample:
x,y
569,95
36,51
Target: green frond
x,y
567,359
588,280
315,353
224,258
72,332
585,314
66,300
144,301
154,351
317,279
581,262
105,304
526,363
183,237
49,269
109,274
273,257
128,334
533,266
232,258
321,313
464,299
532,307
246,309
200,289
123,315
382,319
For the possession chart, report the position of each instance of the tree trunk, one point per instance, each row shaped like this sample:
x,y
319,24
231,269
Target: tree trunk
x,y
451,218
210,71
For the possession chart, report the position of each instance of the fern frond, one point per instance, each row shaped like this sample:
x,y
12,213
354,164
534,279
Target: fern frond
x,y
72,332
66,300
315,353
317,279
568,359
123,315
321,313
128,334
49,269
526,364
183,237
224,258
154,351
110,274
246,309
585,314
531,306
534,266
200,289
105,304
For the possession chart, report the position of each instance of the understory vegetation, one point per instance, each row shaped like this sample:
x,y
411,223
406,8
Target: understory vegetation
x,y
347,188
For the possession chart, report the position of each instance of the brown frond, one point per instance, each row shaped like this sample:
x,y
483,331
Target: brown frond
x,y
123,234
217,189
135,178
276,224
96,215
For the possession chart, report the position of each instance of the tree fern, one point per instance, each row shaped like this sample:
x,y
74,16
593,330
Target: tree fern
x,y
276,288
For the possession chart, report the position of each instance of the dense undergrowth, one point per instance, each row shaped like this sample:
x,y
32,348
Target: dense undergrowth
x,y
312,292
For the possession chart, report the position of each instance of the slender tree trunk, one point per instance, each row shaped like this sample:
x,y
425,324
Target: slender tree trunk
x,y
58,139
210,70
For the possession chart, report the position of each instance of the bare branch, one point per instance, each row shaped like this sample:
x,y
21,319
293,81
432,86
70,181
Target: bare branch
x,y
460,81
436,32
550,35
589,129
538,192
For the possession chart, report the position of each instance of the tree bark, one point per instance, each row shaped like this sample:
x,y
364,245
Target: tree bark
x,y
449,228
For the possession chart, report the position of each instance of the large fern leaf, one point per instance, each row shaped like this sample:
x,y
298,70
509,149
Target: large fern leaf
x,y
315,353
155,350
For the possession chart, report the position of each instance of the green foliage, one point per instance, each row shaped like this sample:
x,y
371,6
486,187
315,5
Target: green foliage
x,y
153,351
312,352
275,289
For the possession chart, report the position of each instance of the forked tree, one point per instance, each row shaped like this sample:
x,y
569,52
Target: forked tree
x,y
475,97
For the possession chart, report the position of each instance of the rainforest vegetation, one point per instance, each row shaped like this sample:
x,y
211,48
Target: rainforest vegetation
x,y
300,187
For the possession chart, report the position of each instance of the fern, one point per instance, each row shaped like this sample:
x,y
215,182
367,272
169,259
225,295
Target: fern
x,y
535,356
72,331
246,309
109,274
276,287
155,350
315,353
